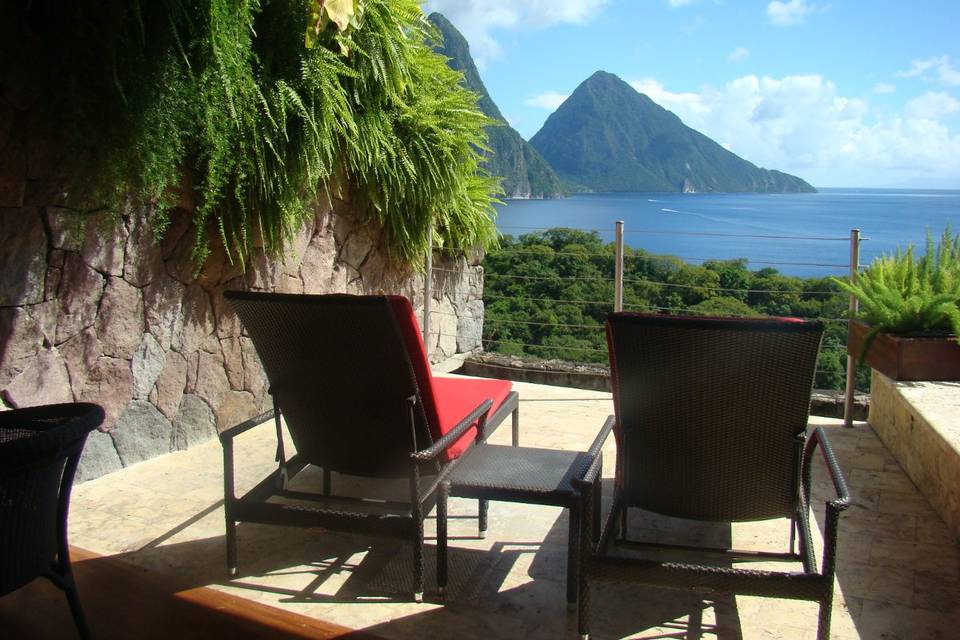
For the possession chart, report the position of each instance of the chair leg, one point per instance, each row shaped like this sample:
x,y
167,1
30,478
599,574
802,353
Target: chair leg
x,y
823,623
484,506
623,523
515,418
418,559
573,555
73,598
583,583
443,492
231,547
597,499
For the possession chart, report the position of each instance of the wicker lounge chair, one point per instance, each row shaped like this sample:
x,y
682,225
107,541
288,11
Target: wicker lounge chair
x,y
39,451
712,426
350,377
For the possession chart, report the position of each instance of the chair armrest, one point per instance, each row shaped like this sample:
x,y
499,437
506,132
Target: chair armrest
x,y
234,431
590,475
819,437
444,443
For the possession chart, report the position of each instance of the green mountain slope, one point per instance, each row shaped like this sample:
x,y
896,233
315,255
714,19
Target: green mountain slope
x,y
609,137
525,173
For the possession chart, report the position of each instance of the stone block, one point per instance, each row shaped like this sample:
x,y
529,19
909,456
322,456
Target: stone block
x,y
81,354
109,384
212,382
141,433
171,384
163,305
43,381
120,322
81,289
21,338
198,320
143,260
99,457
233,361
23,257
104,240
148,362
236,407
66,228
194,424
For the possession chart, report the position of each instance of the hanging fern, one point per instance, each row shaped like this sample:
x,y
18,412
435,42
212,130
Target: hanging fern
x,y
903,294
227,92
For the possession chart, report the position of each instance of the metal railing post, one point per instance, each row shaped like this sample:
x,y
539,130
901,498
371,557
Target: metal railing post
x,y
428,291
618,273
854,307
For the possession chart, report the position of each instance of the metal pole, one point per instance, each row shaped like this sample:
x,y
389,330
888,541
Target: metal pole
x,y
618,273
428,291
854,307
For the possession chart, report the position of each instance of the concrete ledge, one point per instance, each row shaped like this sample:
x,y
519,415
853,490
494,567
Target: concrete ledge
x,y
919,423
596,377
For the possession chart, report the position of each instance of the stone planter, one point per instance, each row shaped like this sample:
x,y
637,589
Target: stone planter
x,y
907,358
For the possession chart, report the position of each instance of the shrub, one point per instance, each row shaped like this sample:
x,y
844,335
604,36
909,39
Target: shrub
x,y
905,294
228,92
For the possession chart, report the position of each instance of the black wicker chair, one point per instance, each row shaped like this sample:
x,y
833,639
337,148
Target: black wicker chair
x,y
39,451
350,377
712,426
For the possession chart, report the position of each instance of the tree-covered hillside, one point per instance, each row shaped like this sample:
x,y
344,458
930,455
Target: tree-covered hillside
x,y
547,294
609,137
524,171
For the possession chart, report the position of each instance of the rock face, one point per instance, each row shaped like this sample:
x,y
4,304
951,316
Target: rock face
x,y
94,308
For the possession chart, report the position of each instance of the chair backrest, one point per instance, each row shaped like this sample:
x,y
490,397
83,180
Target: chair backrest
x,y
711,412
40,448
342,368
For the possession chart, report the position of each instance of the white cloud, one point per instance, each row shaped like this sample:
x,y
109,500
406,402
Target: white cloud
x,y
884,87
739,54
802,125
790,12
475,19
550,100
945,73
932,105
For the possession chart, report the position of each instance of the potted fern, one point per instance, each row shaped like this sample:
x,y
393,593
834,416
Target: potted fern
x,y
909,316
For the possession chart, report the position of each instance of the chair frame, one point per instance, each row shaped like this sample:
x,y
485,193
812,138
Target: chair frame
x,y
63,445
812,583
424,472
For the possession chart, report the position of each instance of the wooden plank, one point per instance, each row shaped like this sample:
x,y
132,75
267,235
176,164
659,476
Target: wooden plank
x,y
125,601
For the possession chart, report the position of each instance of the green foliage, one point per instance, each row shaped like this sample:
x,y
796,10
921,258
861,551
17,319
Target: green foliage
x,y
904,294
548,294
223,94
609,137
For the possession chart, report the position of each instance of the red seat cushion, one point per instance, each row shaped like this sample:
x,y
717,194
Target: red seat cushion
x,y
445,400
456,397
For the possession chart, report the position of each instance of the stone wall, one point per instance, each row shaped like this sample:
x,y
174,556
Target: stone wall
x,y
100,311
917,422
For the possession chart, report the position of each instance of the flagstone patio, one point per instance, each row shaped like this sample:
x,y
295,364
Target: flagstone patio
x,y
898,572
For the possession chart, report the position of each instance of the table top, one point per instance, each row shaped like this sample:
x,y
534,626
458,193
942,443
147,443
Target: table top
x,y
521,474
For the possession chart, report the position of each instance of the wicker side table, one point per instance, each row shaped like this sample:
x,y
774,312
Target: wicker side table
x,y
527,475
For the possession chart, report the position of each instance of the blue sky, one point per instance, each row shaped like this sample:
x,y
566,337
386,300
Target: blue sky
x,y
844,93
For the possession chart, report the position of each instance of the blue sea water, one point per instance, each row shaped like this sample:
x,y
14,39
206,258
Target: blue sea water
x,y
797,234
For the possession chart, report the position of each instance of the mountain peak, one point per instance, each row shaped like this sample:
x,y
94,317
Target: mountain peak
x,y
525,173
608,136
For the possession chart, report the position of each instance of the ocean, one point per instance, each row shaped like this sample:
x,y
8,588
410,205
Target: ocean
x,y
803,235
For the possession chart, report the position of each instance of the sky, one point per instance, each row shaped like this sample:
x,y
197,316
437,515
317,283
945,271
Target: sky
x,y
843,93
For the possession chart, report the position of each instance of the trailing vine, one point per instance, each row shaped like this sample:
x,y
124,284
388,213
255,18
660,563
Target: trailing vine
x,y
264,124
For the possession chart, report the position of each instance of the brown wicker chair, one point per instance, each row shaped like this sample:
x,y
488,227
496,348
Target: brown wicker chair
x,y
350,377
712,426
39,451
